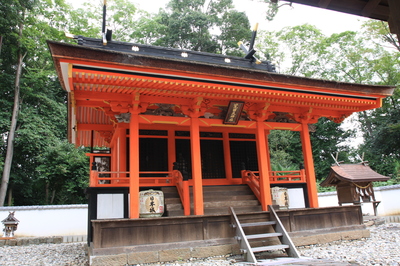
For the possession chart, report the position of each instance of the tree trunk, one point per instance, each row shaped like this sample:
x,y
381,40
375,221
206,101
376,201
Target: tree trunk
x,y
46,199
11,134
10,198
53,195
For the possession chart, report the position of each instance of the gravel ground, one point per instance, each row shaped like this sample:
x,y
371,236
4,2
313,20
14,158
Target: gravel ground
x,y
383,248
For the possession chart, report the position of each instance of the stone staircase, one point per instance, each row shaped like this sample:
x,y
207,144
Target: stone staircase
x,y
217,200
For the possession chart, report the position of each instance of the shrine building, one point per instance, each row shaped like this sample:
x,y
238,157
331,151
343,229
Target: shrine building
x,y
189,123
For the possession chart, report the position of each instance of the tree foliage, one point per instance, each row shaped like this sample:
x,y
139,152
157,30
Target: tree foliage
x,y
199,25
370,56
41,119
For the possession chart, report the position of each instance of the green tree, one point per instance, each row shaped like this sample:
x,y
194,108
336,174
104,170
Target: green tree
x,y
199,25
61,168
147,28
28,82
327,140
285,149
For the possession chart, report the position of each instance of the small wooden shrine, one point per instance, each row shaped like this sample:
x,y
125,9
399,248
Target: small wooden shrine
x,y
353,183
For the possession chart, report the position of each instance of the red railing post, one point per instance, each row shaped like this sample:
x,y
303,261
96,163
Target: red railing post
x,y
186,198
93,182
303,175
183,190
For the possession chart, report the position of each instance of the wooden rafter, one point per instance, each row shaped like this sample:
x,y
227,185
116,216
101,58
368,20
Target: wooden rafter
x,y
324,3
370,6
394,19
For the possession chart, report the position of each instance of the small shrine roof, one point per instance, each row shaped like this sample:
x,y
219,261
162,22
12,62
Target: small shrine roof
x,y
10,219
352,173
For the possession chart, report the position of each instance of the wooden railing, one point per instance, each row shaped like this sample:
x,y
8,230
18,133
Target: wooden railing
x,y
252,179
183,189
146,179
121,179
283,177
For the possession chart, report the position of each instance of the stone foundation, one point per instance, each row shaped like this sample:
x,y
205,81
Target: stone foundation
x,y
196,249
25,241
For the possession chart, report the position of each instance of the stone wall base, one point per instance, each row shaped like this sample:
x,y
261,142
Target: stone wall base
x,y
24,241
163,252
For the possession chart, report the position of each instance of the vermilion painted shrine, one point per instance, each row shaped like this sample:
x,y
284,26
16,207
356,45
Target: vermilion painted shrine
x,y
191,120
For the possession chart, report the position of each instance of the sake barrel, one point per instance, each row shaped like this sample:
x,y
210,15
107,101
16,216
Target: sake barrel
x,y
151,203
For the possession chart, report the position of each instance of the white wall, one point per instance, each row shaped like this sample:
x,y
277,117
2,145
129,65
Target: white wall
x,y
53,220
390,203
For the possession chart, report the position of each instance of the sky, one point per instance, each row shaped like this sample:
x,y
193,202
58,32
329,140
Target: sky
x,y
327,21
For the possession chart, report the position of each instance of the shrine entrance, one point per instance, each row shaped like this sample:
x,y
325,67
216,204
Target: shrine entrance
x,y
243,156
220,158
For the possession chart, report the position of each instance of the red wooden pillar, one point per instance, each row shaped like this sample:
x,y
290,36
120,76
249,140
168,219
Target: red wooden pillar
x,y
171,149
196,166
309,166
267,150
114,157
122,151
263,166
227,156
134,165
